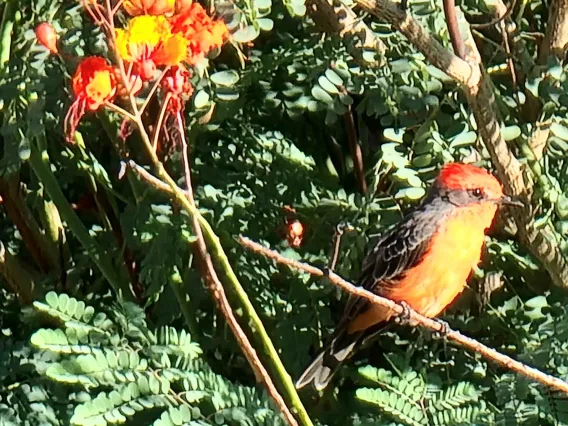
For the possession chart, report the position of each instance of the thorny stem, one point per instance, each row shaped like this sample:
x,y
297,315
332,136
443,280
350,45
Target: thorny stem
x,y
414,318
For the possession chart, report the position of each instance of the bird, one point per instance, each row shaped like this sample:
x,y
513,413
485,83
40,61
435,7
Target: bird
x,y
423,262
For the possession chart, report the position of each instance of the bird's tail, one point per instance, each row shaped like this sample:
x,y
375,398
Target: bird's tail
x,y
337,351
328,361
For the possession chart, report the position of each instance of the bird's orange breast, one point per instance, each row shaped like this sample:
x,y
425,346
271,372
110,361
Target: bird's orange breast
x,y
431,285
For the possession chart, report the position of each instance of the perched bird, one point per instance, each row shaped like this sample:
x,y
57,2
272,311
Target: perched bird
x,y
424,261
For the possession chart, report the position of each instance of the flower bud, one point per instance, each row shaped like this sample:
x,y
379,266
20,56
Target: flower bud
x,y
47,37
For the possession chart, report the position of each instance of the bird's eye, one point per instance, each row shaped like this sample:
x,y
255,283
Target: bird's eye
x,y
477,193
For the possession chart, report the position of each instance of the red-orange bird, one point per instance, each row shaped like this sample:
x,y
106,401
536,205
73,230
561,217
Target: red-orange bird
x,y
424,260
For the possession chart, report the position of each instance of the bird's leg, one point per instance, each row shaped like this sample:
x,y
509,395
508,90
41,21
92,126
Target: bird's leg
x,y
444,329
404,316
339,230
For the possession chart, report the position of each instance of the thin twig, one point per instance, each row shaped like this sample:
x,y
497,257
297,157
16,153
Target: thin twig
x,y
355,149
153,89
120,110
339,231
415,318
219,292
159,123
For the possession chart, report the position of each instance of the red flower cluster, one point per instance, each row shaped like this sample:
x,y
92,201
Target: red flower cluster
x,y
168,34
202,33
94,84
152,41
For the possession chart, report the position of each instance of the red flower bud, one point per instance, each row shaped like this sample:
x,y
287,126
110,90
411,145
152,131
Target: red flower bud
x,y
47,37
295,233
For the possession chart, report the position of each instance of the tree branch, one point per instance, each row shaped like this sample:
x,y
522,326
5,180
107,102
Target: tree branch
x,y
39,163
41,249
415,318
355,149
556,39
334,17
21,278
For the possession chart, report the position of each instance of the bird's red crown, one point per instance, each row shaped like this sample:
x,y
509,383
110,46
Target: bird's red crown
x,y
467,176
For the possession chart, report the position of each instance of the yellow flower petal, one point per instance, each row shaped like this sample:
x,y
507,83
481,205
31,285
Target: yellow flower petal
x,y
172,51
100,89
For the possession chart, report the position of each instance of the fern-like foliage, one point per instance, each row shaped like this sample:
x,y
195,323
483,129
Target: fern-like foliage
x,y
409,400
135,375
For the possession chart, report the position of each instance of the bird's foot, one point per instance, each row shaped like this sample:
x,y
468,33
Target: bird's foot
x,y
404,316
443,331
326,271
341,226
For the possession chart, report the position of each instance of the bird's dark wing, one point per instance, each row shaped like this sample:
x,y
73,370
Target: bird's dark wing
x,y
392,254
395,252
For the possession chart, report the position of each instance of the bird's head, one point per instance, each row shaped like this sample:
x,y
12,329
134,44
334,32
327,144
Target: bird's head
x,y
465,184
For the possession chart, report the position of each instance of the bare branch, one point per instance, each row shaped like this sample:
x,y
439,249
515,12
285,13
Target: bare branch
x,y
355,149
415,318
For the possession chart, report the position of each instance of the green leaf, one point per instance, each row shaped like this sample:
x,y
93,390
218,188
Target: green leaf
x,y
246,34
265,24
511,133
464,139
327,85
225,78
201,99
559,130
394,135
410,194
321,95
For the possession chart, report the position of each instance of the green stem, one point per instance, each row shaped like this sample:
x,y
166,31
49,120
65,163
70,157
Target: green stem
x,y
6,28
168,185
39,161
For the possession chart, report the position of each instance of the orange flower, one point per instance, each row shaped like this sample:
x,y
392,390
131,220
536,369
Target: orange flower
x,y
148,42
94,83
47,37
149,7
202,32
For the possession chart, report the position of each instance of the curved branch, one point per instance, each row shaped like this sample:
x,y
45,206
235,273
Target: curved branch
x,y
415,318
454,28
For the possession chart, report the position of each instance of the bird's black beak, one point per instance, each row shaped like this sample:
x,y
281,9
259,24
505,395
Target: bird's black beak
x,y
508,201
